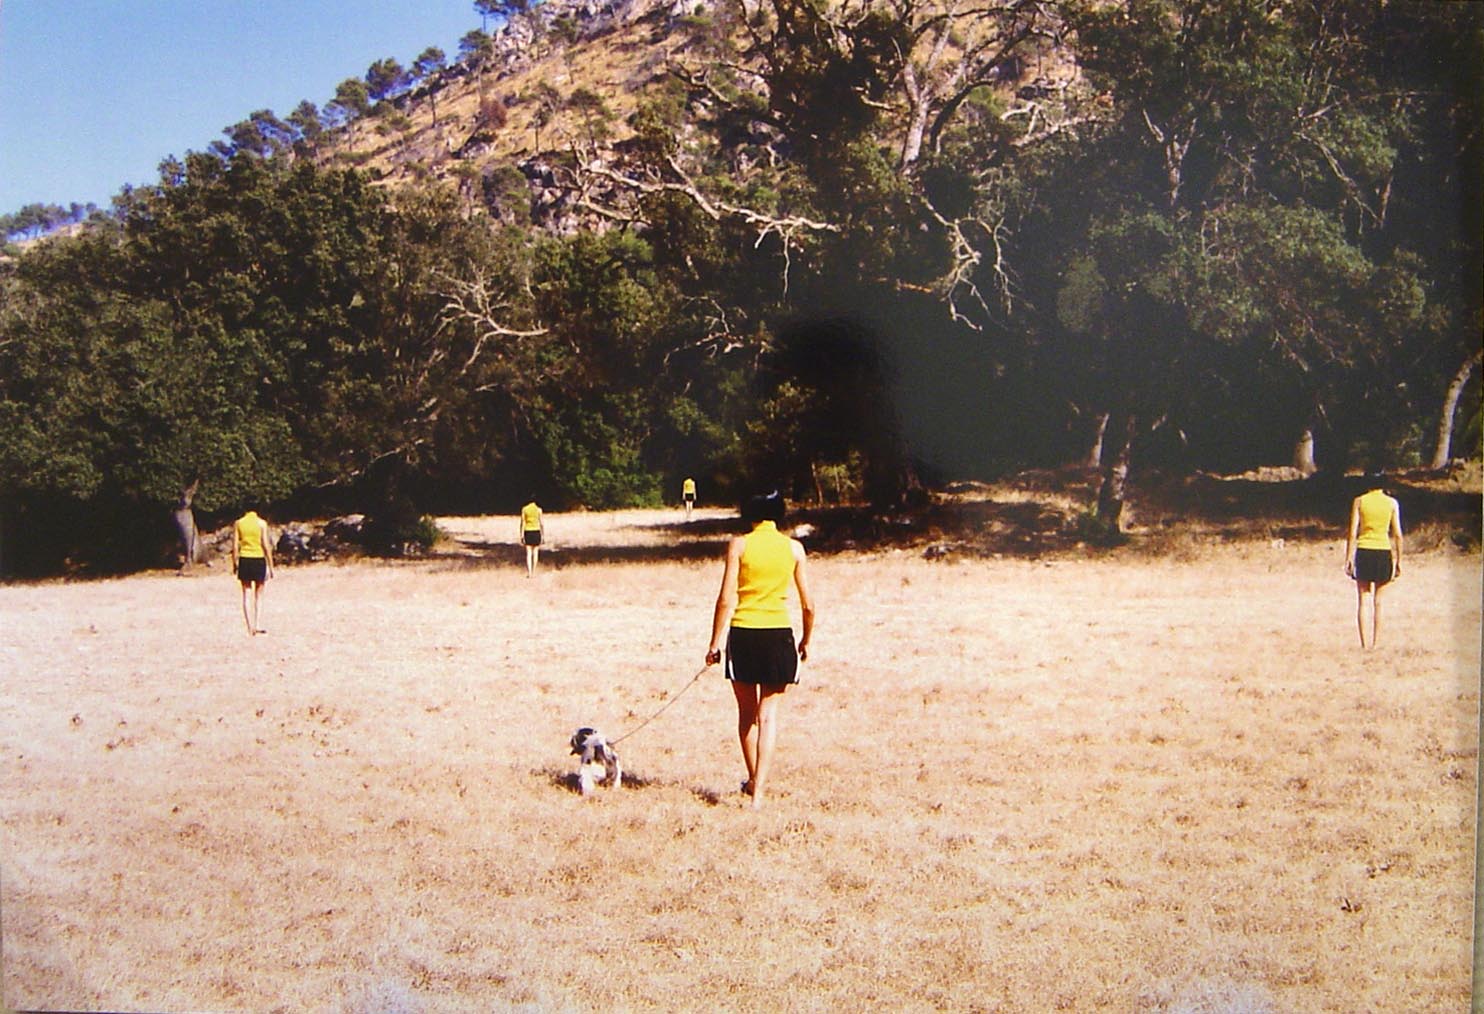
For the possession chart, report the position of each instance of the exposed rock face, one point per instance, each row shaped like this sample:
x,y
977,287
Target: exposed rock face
x,y
592,17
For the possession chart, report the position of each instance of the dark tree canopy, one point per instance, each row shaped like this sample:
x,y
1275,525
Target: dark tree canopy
x,y
851,250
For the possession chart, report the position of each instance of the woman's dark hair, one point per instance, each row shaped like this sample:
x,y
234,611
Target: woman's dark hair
x,y
763,507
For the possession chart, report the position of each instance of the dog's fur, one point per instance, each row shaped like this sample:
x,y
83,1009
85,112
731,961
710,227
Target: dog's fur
x,y
591,750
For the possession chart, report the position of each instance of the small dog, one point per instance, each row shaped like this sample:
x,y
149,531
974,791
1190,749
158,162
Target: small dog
x,y
592,750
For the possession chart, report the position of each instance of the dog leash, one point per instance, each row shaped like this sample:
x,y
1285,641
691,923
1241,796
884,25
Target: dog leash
x,y
693,681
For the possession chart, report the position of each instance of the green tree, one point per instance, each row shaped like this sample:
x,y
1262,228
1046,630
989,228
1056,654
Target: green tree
x,y
305,119
548,103
35,220
593,110
385,79
1263,159
352,99
475,49
429,64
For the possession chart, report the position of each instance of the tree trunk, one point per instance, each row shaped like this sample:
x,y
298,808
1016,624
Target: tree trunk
x,y
1094,458
185,525
917,123
1303,453
1444,449
1115,475
892,483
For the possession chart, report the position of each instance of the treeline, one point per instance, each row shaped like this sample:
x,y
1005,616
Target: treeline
x,y
852,253
36,220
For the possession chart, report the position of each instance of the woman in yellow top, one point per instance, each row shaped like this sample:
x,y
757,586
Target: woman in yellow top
x,y
688,495
252,562
1373,550
752,619
532,530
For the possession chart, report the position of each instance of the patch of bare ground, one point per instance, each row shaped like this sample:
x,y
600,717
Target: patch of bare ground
x,y
1079,781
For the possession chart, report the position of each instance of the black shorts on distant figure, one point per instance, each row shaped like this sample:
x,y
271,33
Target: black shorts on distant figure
x,y
765,656
1373,565
252,569
533,536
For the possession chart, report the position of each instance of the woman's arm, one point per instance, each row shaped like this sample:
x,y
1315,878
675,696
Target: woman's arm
x,y
1396,539
806,598
1351,535
235,547
268,547
726,601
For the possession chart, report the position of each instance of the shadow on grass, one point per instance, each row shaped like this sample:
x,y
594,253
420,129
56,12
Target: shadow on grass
x,y
1033,515
632,782
476,555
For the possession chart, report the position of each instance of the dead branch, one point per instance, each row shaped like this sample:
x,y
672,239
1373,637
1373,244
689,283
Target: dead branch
x,y
474,302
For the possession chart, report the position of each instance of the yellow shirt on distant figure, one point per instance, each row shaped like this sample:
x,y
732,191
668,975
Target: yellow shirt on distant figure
x,y
763,576
1376,511
688,488
530,517
250,536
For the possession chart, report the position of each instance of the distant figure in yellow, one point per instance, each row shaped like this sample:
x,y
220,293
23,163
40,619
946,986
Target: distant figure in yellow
x,y
752,620
1373,551
252,562
532,530
688,496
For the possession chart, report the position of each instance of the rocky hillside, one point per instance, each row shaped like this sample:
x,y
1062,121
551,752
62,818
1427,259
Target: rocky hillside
x,y
513,107
568,74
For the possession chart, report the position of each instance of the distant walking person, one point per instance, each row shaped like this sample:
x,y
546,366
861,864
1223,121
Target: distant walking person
x,y
1373,551
752,621
532,530
252,561
688,496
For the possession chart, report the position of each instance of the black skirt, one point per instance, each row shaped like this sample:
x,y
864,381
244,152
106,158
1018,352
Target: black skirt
x,y
252,569
1373,565
765,656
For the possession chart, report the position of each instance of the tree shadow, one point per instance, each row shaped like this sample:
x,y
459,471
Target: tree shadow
x,y
1036,514
479,555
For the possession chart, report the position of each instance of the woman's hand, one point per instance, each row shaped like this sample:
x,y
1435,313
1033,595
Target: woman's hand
x,y
713,656
803,651
1349,568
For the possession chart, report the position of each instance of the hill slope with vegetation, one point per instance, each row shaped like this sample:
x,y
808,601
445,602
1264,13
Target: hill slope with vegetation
x,y
857,252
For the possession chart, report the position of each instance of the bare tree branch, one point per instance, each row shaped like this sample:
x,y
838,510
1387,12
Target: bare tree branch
x,y
474,301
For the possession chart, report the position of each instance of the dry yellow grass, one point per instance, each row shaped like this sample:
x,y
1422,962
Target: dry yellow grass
x,y
1127,784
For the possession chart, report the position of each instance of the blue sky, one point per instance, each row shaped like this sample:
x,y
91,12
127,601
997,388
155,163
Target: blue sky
x,y
95,93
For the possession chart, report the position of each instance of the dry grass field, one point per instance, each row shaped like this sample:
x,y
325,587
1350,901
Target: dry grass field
x,y
1117,782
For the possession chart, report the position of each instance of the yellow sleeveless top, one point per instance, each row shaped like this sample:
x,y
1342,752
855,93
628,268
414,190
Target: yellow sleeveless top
x,y
766,568
1376,509
530,518
250,536
688,487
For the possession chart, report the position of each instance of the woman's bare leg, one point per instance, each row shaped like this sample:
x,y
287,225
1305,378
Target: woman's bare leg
x,y
767,733
747,709
1376,614
252,628
1362,588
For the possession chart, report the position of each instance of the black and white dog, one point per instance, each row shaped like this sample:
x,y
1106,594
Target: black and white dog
x,y
591,751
